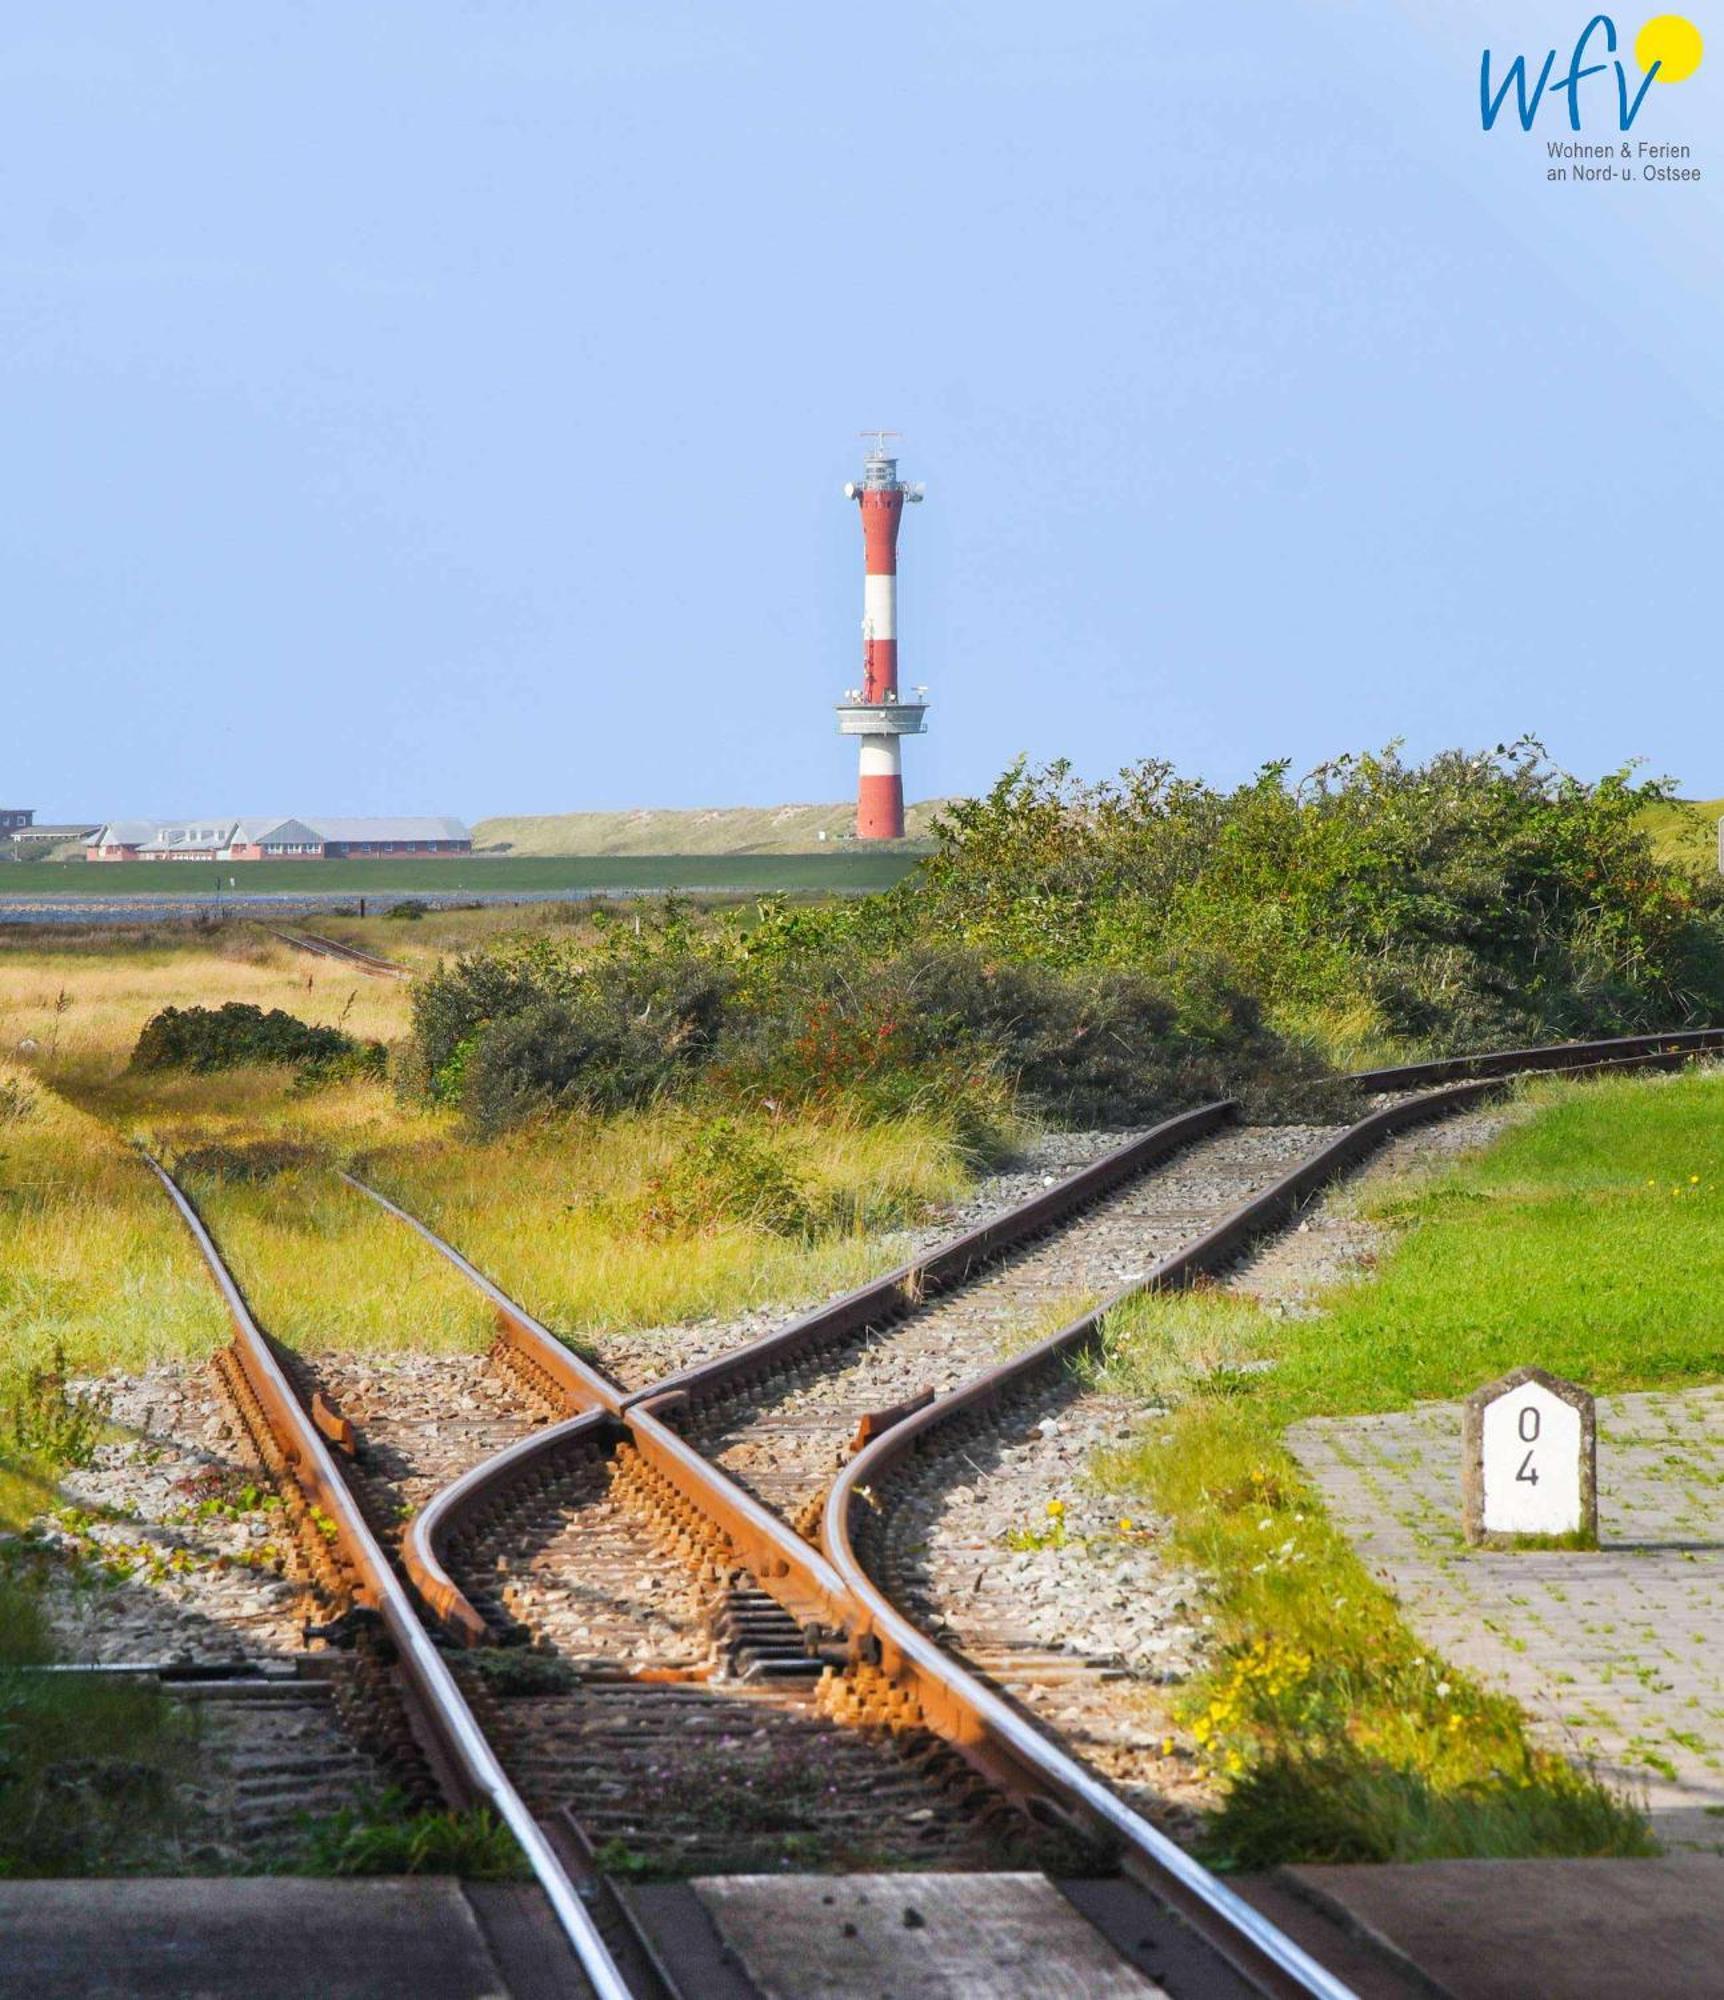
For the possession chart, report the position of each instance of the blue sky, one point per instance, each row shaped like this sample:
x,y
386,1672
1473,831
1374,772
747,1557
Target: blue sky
x,y
444,407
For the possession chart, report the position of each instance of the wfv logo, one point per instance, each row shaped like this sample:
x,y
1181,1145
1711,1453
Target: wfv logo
x,y
1667,50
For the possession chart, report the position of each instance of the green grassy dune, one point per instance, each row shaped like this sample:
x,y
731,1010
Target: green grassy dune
x,y
683,831
1686,830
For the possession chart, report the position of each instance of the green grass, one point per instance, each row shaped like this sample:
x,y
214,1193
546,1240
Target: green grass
x,y
92,1259
569,1214
89,1769
323,1268
1335,1735
570,1218
386,1837
845,871
1588,1240
88,1775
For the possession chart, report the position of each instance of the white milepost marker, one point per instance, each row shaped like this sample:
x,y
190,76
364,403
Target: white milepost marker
x,y
1530,1464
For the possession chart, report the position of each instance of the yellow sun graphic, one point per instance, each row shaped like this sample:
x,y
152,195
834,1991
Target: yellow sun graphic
x,y
1671,42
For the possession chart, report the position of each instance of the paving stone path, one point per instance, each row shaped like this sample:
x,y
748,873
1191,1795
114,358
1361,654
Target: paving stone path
x,y
1618,1655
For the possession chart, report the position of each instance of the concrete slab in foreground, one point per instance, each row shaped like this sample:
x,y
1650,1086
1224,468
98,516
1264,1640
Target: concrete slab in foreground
x,y
1563,1930
921,1937
279,1938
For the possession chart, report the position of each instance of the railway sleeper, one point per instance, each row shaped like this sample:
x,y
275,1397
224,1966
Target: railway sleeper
x,y
758,1640
509,1357
366,1692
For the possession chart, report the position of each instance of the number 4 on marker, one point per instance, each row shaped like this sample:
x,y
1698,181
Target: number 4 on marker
x,y
1527,1423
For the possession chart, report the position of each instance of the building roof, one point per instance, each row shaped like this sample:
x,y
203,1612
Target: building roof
x,y
73,830
158,836
181,836
422,829
276,833
125,833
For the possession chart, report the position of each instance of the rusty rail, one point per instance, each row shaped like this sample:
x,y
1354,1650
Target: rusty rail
x,y
885,1298
592,1399
970,1714
792,1571
829,1587
455,1746
349,954
1616,1052
819,1589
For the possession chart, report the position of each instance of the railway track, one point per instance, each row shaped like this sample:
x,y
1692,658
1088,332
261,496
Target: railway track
x,y
320,946
689,1616
357,1572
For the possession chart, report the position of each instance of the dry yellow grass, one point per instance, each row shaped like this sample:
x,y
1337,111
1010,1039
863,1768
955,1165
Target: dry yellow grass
x,y
420,943
80,1004
92,1258
320,1265
554,1214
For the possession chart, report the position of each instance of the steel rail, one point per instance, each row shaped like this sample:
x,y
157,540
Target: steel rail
x,y
953,1697
832,1589
592,1398
1612,1052
789,1568
785,1564
824,1592
964,1708
424,1545
436,1704
884,1299
587,1387
349,954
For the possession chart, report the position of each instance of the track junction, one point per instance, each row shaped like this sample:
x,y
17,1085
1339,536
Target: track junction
x,y
644,1626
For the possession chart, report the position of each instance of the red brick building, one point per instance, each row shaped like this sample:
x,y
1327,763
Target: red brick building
x,y
276,839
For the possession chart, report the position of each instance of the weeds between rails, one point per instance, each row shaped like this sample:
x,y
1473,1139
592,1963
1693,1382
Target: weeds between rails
x,y
724,1377
585,1667
799,1789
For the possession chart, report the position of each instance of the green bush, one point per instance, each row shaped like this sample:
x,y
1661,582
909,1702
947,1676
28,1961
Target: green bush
x,y
49,1421
214,1038
1108,953
729,1173
618,1037
1466,900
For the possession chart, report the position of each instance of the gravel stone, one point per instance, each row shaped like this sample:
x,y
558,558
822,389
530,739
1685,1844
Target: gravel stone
x,y
192,1592
639,1356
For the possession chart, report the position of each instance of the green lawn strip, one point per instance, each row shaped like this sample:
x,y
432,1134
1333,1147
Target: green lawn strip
x,y
1589,1240
1335,1734
844,870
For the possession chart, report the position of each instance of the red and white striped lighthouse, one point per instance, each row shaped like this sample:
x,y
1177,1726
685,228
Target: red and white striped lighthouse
x,y
874,711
